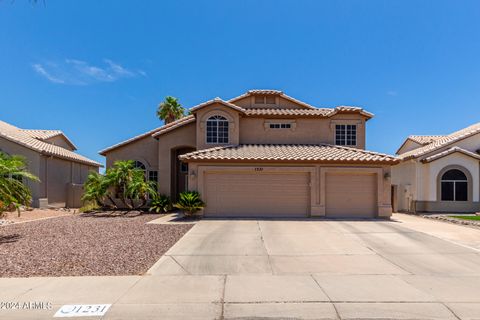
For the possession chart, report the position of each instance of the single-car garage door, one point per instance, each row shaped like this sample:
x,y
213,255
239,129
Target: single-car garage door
x,y
253,194
351,195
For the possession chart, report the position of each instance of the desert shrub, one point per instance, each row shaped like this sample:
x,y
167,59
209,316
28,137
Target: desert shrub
x,y
189,202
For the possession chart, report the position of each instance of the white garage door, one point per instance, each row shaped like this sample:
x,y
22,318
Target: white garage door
x,y
351,195
237,194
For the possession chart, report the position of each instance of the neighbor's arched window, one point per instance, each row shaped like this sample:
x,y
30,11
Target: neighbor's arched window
x,y
217,130
454,186
140,165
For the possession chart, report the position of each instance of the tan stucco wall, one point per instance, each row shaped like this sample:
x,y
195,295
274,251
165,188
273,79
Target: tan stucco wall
x,y
144,150
61,174
182,137
308,131
404,177
33,161
197,171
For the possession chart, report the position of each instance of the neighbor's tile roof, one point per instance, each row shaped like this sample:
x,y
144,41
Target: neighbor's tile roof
x,y
159,130
423,140
289,152
20,137
450,151
47,134
442,142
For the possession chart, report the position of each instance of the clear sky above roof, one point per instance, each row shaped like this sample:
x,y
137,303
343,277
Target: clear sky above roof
x,y
97,69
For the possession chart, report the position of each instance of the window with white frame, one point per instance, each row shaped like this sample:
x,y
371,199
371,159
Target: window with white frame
x,y
280,125
217,130
346,135
454,186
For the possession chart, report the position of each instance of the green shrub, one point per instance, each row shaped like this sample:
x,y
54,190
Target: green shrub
x,y
160,203
189,202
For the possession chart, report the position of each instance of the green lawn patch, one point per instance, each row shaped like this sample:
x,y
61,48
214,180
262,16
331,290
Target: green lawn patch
x,y
467,217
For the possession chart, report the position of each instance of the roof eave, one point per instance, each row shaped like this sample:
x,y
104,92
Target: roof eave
x,y
390,162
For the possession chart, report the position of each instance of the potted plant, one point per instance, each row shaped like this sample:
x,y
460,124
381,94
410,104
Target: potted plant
x,y
189,202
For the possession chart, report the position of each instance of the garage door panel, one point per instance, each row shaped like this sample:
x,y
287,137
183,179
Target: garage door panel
x,y
257,194
351,195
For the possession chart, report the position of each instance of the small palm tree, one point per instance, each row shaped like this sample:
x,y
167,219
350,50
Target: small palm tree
x,y
97,189
13,191
170,110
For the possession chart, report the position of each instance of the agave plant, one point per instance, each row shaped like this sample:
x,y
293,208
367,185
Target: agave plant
x,y
189,202
13,173
161,203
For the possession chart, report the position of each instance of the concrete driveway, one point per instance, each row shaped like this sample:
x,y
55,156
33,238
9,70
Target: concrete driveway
x,y
247,269
332,269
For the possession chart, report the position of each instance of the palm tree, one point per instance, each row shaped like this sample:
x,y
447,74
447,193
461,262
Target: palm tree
x,y
170,110
97,189
13,191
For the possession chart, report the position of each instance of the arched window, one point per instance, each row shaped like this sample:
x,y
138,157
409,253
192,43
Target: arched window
x,y
454,186
140,165
217,130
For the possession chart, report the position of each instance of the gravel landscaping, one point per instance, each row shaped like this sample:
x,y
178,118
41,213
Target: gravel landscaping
x,y
84,245
464,220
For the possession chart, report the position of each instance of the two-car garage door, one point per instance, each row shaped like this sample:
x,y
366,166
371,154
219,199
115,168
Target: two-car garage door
x,y
230,193
257,194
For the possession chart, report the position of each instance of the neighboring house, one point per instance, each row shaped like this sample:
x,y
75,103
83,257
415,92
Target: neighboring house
x,y
50,156
439,173
267,154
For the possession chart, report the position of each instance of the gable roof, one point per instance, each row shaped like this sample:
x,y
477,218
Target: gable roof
x,y
442,142
272,92
418,139
47,134
19,136
289,152
424,140
216,100
153,133
450,151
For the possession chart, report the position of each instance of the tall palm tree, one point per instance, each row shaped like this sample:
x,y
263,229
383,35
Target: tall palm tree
x,y
170,110
13,173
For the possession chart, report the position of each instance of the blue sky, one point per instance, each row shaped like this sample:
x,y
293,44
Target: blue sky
x,y
98,69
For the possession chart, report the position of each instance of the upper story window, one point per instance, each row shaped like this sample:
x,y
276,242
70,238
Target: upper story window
x,y
454,186
217,130
280,125
266,99
346,135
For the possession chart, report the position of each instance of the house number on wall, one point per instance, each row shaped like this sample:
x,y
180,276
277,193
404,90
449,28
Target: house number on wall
x,y
258,169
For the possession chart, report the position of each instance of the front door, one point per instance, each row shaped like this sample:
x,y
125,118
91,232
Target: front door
x,y
180,172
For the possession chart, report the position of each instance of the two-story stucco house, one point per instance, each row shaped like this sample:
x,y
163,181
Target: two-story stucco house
x,y
264,153
439,173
